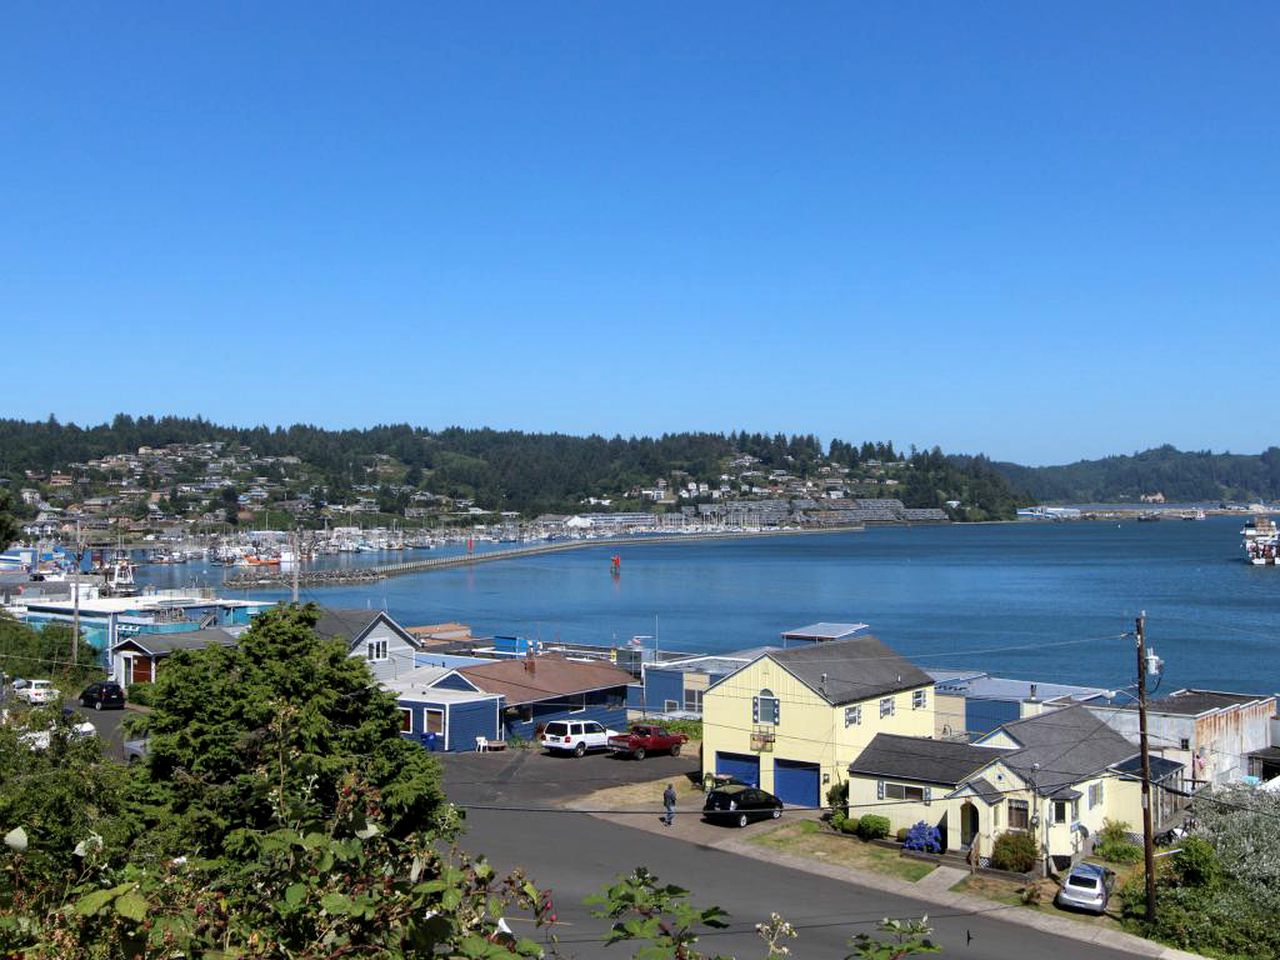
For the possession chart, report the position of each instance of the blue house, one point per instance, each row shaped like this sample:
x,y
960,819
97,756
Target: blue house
x,y
972,703
537,690
676,686
441,718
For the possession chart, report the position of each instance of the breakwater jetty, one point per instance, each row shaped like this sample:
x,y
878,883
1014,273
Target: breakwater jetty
x,y
282,580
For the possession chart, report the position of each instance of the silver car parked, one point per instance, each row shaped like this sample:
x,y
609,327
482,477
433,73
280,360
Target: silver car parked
x,y
1087,887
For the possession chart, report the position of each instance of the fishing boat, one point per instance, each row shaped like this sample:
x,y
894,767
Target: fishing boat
x,y
1261,541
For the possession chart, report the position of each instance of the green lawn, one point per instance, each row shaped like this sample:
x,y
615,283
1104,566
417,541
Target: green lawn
x,y
807,838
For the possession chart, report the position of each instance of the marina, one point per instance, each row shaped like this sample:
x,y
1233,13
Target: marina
x,y
1020,599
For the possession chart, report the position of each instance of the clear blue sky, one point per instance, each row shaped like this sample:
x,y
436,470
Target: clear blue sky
x,y
1042,235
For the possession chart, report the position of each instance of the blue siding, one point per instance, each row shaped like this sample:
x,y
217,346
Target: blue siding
x,y
463,722
453,682
450,660
745,768
608,707
796,783
983,716
635,697
470,720
663,685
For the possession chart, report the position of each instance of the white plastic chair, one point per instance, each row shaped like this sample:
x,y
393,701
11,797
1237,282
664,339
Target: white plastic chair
x,y
482,744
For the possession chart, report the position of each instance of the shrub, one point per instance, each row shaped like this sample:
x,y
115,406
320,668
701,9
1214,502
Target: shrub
x,y
1117,851
844,823
923,837
838,797
1197,864
873,827
1014,851
901,834
141,694
1113,831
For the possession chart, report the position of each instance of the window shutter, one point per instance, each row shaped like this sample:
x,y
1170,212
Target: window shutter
x,y
755,709
928,795
777,710
879,789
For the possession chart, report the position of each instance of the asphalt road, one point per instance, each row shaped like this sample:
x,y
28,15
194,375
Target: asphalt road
x,y
576,854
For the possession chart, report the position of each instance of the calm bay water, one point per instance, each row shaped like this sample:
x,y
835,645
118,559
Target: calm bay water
x,y
1038,601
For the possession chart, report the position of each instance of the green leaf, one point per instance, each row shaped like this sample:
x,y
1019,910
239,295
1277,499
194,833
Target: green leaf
x,y
133,906
91,903
295,894
336,903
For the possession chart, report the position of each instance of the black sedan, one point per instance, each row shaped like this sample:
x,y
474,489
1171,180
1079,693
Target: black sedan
x,y
739,804
103,694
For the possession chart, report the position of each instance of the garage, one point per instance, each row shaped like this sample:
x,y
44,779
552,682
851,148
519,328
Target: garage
x,y
797,783
742,766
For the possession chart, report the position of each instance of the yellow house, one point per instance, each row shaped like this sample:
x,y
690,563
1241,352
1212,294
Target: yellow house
x,y
1057,775
791,720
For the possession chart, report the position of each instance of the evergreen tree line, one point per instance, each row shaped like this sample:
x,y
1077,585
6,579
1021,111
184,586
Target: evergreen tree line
x,y
529,472
1180,475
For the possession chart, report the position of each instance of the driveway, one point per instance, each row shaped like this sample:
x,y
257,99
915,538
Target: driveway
x,y
519,816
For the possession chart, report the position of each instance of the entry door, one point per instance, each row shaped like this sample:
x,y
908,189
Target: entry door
x,y
968,824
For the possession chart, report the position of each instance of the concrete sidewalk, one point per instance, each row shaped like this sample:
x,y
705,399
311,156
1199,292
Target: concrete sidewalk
x,y
933,888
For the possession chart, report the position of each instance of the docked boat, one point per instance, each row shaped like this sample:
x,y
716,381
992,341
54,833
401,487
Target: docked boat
x,y
1261,541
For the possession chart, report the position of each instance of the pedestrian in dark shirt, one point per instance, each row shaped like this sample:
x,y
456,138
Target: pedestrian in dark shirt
x,y
669,802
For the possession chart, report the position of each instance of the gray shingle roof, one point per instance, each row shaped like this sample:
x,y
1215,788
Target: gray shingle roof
x,y
347,625
1064,746
983,788
846,671
915,758
165,643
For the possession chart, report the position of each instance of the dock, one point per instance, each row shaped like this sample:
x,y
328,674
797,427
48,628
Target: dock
x,y
283,580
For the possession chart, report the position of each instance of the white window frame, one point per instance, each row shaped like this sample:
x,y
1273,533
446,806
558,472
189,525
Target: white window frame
x,y
853,715
919,699
406,714
693,701
670,706
1061,812
886,707
373,648
582,705
426,721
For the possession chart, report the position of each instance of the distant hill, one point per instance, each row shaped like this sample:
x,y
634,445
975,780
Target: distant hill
x,y
1179,475
509,470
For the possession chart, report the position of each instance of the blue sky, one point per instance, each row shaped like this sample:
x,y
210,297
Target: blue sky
x,y
1042,235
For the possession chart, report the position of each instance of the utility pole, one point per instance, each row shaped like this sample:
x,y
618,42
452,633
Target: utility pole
x,y
1148,841
75,616
297,563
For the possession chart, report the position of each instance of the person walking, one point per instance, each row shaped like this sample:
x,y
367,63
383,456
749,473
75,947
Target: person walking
x,y
669,802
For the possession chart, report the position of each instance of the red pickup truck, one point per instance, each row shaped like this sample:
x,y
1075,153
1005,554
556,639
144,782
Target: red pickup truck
x,y
644,738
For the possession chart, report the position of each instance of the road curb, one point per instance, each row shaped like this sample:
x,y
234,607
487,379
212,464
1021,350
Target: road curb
x,y
958,902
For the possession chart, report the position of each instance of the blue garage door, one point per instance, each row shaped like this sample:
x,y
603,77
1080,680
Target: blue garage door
x,y
796,783
743,766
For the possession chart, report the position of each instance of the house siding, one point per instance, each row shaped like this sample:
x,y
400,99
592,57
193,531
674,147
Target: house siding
x,y
399,651
463,722
661,686
608,707
809,730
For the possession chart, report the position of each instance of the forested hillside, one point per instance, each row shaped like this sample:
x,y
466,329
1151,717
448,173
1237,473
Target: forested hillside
x,y
529,472
1180,476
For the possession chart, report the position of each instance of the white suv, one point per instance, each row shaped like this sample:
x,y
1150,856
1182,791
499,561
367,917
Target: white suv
x,y
38,692
575,736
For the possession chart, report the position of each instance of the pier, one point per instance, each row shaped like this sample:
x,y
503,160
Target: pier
x,y
283,580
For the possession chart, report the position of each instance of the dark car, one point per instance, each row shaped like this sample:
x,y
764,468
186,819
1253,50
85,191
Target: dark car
x,y
103,694
739,803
